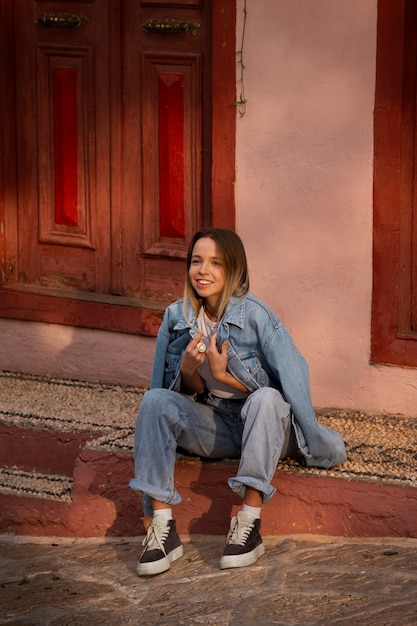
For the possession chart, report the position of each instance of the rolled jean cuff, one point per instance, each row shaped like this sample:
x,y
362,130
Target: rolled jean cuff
x,y
239,484
168,497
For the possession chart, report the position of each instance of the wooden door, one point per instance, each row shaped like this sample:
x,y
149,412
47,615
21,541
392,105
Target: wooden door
x,y
165,55
110,152
394,298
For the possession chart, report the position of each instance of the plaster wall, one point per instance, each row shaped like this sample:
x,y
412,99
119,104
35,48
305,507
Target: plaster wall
x,y
304,189
304,210
75,353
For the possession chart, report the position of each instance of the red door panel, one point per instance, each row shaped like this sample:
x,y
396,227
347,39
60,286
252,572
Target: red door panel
x,y
62,91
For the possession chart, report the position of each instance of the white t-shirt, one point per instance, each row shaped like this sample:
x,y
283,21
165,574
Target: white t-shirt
x,y
208,328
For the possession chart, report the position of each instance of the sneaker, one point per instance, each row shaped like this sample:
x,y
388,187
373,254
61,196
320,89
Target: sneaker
x,y
244,543
162,547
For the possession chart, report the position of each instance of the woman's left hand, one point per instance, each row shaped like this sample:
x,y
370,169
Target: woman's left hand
x,y
218,365
217,360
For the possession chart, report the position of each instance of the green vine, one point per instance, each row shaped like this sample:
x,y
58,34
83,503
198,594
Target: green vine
x,y
240,104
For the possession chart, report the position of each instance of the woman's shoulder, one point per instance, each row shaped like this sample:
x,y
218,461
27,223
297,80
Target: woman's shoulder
x,y
250,310
174,311
174,315
175,306
255,305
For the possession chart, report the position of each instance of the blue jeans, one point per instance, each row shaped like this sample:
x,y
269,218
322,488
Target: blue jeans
x,y
257,430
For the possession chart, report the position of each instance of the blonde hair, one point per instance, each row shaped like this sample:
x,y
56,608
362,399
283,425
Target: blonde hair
x,y
231,249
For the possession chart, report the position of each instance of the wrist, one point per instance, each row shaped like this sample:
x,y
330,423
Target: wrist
x,y
190,374
223,378
193,382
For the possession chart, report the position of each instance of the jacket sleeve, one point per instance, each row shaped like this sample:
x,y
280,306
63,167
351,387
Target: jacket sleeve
x,y
320,446
166,371
291,370
162,342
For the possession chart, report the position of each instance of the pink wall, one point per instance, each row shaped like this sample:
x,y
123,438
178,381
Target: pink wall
x,y
75,353
304,189
304,210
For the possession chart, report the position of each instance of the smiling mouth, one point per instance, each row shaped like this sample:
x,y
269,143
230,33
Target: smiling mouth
x,y
203,283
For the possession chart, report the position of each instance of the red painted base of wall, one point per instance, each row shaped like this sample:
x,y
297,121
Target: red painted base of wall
x,y
104,505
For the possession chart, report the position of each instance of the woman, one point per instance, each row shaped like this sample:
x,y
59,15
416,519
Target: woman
x,y
227,382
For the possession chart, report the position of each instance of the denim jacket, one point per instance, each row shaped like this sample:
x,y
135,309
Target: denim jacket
x,y
261,353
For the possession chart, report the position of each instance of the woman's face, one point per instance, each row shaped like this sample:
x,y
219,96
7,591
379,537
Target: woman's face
x,y
207,272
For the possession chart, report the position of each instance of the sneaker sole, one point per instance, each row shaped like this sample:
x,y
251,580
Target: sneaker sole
x,y
242,560
157,567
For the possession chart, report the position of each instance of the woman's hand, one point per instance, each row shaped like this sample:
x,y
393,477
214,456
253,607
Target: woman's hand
x,y
218,365
192,358
217,360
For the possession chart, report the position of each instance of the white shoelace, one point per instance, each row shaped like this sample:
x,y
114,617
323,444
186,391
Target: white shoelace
x,y
240,529
157,533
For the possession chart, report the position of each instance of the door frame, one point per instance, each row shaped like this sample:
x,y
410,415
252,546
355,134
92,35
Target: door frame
x,y
393,340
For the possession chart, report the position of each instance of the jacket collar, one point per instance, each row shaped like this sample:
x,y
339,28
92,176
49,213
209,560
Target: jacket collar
x,y
234,314
236,311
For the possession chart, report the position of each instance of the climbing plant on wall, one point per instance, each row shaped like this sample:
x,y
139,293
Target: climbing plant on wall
x,y
241,102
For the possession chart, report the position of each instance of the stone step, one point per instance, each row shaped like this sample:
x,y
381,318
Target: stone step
x,y
66,451
97,502
48,451
34,484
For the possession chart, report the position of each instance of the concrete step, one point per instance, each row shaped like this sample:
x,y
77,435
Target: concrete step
x,y
34,484
67,457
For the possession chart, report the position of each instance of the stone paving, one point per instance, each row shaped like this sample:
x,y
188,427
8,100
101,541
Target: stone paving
x,y
305,580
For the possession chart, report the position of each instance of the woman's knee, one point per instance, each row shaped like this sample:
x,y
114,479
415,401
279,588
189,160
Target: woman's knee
x,y
155,399
270,399
155,405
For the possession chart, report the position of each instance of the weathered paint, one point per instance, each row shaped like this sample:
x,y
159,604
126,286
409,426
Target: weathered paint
x,y
104,505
